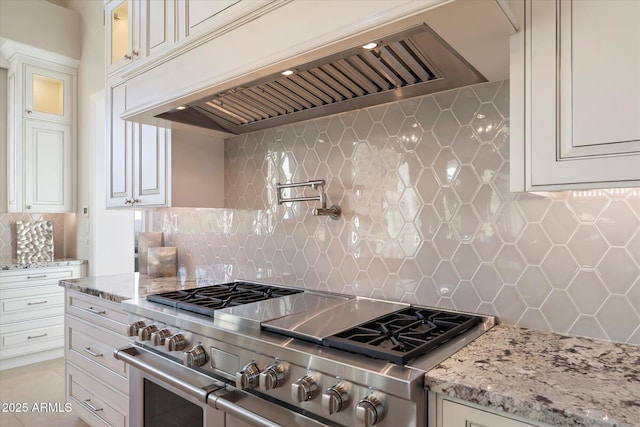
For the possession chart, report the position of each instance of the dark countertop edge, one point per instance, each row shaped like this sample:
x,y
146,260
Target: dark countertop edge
x,y
13,265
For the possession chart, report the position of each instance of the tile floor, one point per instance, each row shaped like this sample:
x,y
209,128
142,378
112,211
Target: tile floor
x,y
40,383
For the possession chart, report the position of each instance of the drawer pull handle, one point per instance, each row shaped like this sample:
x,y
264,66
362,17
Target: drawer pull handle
x,y
88,404
88,350
37,303
94,311
30,337
39,276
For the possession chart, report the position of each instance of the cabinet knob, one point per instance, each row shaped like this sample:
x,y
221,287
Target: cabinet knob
x,y
28,206
130,57
29,111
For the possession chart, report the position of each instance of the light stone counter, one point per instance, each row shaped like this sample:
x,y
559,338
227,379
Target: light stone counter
x,y
120,287
545,377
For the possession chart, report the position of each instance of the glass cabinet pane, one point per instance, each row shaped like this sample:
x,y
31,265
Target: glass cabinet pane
x,y
119,32
48,95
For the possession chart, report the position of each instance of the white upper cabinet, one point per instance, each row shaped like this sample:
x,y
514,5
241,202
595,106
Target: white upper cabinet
x,y
41,135
205,15
136,158
149,166
575,95
124,31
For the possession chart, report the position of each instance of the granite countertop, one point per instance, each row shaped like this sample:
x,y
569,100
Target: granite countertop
x,y
12,264
120,287
543,376
546,377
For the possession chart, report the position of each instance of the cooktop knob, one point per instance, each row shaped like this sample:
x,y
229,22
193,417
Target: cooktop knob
x,y
248,377
195,357
144,333
335,398
175,342
272,376
304,389
158,337
133,328
370,410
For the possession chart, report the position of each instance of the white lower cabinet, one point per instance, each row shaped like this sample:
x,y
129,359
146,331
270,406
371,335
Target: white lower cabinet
x,y
96,383
32,314
457,413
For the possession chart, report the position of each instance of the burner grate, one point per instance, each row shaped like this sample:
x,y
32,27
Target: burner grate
x,y
207,299
403,335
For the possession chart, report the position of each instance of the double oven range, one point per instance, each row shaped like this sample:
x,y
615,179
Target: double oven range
x,y
251,354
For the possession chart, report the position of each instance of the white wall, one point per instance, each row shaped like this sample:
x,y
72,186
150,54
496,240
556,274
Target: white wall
x,y
3,140
43,25
104,237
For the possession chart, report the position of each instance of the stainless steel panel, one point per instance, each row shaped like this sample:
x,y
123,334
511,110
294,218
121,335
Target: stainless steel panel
x,y
318,324
414,62
276,308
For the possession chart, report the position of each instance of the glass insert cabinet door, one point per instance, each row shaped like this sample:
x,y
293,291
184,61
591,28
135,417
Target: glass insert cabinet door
x,y
48,94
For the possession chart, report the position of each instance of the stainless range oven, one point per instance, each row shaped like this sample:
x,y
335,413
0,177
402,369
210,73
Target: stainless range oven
x,y
250,354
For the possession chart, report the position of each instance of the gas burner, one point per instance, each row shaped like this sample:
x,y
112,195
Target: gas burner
x,y
207,299
403,335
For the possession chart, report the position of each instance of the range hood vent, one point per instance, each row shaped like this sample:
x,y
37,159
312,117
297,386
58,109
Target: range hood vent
x,y
412,63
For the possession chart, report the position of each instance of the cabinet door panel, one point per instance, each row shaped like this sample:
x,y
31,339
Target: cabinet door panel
x,y
119,151
575,70
48,169
151,170
600,75
123,41
48,94
161,28
457,415
201,11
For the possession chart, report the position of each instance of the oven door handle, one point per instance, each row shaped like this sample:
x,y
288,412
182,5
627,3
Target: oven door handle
x,y
208,392
223,403
169,372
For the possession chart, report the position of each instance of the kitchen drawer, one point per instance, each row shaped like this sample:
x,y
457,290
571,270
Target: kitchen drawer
x,y
97,311
97,403
21,277
25,338
27,290
30,307
91,349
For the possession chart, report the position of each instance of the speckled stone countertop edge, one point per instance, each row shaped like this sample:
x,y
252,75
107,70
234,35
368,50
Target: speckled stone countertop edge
x,y
13,265
118,288
545,377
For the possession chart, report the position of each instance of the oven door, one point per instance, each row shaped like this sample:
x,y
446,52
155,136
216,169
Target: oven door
x,y
165,393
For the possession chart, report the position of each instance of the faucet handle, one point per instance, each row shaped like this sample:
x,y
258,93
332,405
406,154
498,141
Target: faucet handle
x,y
333,212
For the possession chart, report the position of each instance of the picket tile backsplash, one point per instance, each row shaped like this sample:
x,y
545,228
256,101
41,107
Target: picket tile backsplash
x,y
427,219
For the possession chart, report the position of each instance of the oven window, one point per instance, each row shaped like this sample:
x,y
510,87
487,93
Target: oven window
x,y
163,408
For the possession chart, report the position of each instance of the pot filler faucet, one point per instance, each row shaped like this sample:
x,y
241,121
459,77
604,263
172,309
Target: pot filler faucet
x,y
333,212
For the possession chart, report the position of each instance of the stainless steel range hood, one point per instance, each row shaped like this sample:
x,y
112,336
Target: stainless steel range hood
x,y
402,65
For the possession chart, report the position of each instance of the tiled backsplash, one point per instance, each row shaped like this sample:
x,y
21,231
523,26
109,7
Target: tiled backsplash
x,y
427,218
8,232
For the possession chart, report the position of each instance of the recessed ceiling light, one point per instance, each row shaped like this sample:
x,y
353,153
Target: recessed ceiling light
x,y
370,46
287,72
181,107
